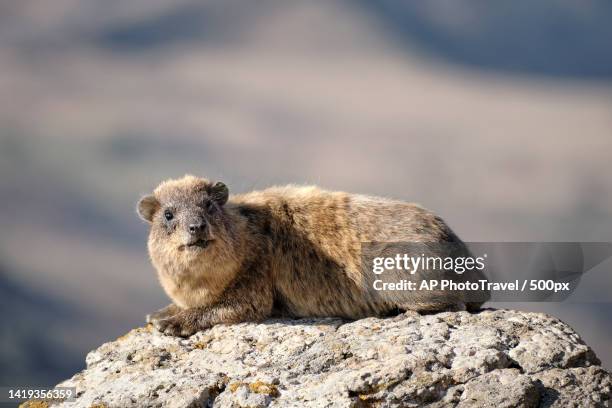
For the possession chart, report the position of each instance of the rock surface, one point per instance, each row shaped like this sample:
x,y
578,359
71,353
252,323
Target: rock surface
x,y
497,358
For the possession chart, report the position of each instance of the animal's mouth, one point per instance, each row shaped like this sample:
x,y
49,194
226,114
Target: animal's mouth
x,y
199,244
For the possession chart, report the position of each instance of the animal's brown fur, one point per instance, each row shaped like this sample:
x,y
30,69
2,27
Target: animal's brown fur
x,y
291,250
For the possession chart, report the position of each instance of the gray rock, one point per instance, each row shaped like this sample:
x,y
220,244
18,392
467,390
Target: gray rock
x,y
503,388
497,358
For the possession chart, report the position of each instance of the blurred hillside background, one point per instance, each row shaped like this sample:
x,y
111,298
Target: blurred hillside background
x,y
496,115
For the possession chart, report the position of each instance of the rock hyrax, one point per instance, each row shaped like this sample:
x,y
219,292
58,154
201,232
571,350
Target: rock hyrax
x,y
290,251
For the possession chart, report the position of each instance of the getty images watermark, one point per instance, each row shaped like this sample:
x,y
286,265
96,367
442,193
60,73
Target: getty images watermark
x,y
505,271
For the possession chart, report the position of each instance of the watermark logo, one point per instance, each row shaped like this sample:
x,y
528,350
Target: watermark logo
x,y
497,271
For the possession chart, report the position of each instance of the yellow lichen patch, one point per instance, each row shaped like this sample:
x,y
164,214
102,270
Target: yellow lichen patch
x,y
98,405
148,329
260,387
34,404
200,345
367,401
426,379
234,386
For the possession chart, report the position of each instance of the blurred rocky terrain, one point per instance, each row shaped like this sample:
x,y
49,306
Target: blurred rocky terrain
x,y
497,358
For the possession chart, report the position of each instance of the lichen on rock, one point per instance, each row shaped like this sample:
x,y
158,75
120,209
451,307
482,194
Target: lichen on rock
x,y
496,358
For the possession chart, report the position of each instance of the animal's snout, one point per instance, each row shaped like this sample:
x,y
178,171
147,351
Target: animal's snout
x,y
196,228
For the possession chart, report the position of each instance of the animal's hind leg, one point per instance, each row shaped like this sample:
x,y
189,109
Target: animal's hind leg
x,y
473,306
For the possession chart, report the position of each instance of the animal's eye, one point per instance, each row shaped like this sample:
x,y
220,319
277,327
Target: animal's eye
x,y
210,207
168,215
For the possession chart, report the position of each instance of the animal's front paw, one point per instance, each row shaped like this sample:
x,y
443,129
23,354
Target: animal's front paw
x,y
163,313
183,324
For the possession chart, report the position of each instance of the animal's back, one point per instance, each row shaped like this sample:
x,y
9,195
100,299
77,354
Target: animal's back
x,y
316,239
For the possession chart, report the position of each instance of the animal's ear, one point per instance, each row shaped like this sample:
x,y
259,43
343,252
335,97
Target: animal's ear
x,y
147,206
219,193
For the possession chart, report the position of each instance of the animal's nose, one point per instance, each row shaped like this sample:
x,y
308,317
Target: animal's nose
x,y
196,228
